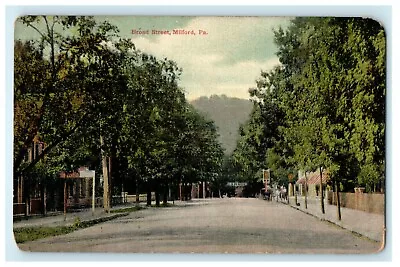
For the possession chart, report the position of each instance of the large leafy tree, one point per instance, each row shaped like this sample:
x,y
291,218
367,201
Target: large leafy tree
x,y
343,78
326,100
64,103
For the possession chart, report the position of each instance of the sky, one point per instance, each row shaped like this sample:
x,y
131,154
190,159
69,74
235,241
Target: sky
x,y
225,55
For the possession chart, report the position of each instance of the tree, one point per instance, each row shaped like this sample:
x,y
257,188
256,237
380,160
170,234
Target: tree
x,y
63,104
326,79
323,107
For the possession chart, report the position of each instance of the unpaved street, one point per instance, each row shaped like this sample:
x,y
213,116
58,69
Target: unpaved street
x,y
212,226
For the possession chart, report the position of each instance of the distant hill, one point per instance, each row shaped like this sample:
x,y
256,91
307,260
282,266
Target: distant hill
x,y
228,113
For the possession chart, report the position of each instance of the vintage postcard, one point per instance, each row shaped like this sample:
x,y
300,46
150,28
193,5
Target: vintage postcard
x,y
179,134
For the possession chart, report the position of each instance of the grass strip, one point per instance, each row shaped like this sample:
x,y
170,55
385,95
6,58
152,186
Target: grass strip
x,y
25,234
130,209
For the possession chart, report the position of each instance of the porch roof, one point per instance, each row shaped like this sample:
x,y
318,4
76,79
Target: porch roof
x,y
313,178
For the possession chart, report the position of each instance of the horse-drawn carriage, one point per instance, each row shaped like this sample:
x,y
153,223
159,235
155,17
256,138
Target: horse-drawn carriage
x,y
267,194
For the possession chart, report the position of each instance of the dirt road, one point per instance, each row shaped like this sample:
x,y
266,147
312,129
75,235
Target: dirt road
x,y
212,226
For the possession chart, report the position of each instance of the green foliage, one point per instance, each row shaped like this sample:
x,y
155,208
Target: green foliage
x,y
62,92
22,235
324,105
227,173
77,222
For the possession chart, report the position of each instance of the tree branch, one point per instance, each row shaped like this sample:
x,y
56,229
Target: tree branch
x,y
36,29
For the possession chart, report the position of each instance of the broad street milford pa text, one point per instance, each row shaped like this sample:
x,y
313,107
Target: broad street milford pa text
x,y
168,32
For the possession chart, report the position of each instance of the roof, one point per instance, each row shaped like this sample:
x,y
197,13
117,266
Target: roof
x,y
313,178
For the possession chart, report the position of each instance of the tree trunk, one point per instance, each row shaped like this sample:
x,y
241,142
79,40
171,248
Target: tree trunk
x,y
165,195
339,215
110,195
157,192
187,192
27,196
43,198
106,186
148,194
20,189
181,191
157,199
106,190
137,192
65,199
75,191
305,191
173,196
321,190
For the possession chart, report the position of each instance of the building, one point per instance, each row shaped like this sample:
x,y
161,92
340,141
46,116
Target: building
x,y
29,195
313,183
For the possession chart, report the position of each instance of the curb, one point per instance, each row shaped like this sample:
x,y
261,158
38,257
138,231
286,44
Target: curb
x,y
90,222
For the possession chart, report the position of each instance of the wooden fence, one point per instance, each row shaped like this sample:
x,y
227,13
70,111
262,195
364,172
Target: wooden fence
x,y
368,202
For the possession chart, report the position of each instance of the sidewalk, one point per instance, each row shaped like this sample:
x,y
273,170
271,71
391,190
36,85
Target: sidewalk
x,y
370,225
84,215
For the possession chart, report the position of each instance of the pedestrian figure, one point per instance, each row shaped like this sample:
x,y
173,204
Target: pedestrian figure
x,y
277,193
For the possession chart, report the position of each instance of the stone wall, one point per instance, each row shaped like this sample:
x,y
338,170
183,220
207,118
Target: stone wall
x,y
372,203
